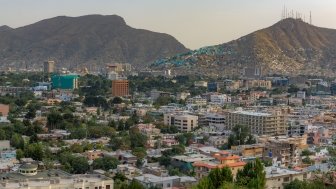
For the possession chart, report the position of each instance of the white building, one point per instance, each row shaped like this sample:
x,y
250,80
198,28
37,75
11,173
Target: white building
x,y
277,177
220,99
216,120
28,177
183,122
197,100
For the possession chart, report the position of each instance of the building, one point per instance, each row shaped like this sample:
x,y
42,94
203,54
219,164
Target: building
x,y
258,84
182,95
69,82
220,99
277,177
28,177
284,151
49,66
215,120
168,182
260,123
151,132
223,159
4,110
200,84
155,94
249,151
93,154
197,100
120,88
183,122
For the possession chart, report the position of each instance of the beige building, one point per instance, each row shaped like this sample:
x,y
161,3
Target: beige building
x,y
260,123
28,177
284,151
277,177
183,122
258,83
49,66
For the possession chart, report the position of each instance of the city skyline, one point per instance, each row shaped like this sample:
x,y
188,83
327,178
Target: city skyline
x,y
194,23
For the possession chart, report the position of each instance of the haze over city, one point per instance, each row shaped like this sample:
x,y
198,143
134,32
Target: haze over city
x,y
195,23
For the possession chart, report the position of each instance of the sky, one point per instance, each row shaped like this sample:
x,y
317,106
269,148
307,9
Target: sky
x,y
195,23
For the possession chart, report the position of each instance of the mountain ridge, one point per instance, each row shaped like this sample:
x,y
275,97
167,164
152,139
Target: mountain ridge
x,y
89,40
288,47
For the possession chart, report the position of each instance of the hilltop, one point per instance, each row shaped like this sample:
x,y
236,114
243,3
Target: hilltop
x,y
288,47
89,40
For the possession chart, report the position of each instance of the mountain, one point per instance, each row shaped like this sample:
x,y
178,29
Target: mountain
x,y
91,40
289,47
5,28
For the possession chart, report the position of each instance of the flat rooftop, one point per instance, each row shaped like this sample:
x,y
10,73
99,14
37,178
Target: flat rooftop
x,y
252,113
278,172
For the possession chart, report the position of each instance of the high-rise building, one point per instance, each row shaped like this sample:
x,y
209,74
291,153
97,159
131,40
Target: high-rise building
x,y
120,88
49,66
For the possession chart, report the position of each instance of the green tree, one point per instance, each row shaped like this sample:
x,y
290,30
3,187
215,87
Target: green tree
x,y
139,152
240,135
204,183
17,141
135,185
252,175
35,151
137,139
105,163
19,154
218,176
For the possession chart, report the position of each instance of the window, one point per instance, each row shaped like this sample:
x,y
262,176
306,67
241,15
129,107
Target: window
x,y
286,179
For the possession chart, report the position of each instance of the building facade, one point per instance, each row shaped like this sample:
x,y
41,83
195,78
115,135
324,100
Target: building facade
x,y
259,123
183,122
120,88
49,66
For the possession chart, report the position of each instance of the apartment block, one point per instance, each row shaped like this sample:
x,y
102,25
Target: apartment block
x,y
183,122
120,88
260,123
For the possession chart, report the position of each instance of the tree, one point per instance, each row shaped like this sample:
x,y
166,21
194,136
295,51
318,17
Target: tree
x,y
218,176
252,175
17,141
137,139
240,135
204,183
116,100
19,154
74,164
178,150
135,185
139,152
76,148
105,163
35,151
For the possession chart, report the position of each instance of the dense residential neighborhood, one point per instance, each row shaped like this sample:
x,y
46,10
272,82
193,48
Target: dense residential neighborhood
x,y
120,129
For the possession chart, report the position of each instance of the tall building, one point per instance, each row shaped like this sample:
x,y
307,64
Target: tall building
x,y
49,66
260,123
120,88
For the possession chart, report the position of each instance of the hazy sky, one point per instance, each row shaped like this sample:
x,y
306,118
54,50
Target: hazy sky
x,y
195,23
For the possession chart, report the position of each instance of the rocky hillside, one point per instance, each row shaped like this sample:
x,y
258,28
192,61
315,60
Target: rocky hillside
x,y
289,47
87,40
